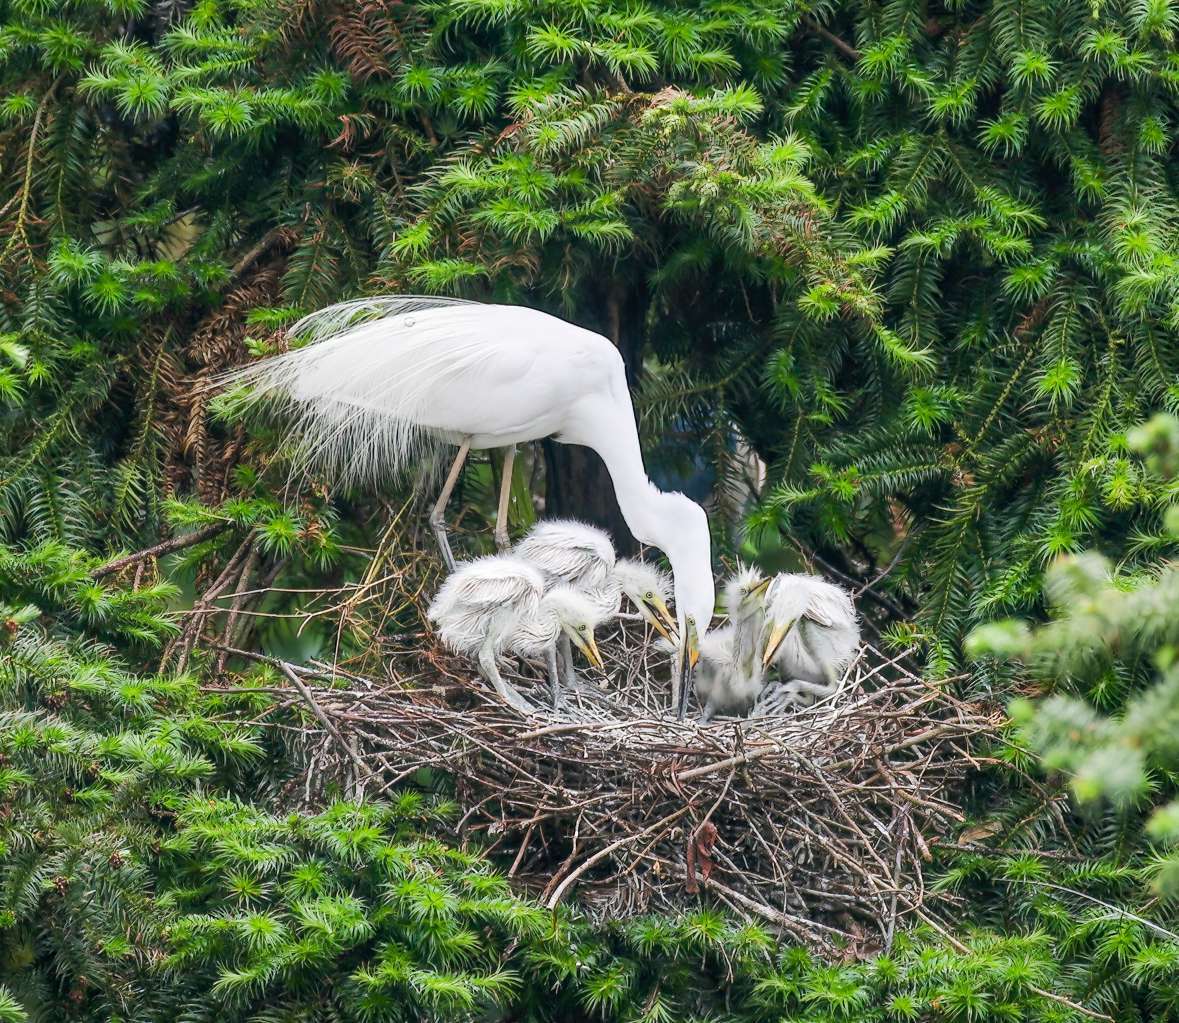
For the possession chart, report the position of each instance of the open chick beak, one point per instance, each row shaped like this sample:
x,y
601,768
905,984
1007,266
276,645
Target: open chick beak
x,y
779,633
588,647
659,617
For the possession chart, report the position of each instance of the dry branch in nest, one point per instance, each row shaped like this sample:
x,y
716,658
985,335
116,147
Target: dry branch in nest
x,y
818,821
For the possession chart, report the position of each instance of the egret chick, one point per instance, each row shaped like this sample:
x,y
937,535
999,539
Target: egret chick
x,y
581,556
813,634
731,673
499,604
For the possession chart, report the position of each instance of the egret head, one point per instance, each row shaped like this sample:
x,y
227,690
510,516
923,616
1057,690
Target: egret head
x,y
745,593
577,618
649,590
787,599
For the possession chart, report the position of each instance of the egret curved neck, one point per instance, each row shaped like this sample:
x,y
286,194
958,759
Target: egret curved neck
x,y
636,494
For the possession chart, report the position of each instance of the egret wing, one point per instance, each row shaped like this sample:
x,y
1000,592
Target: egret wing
x,y
496,581
571,551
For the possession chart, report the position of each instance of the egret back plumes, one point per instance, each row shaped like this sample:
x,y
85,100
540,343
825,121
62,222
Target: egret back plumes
x,y
357,391
815,627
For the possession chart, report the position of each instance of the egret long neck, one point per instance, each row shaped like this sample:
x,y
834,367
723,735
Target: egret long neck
x,y
618,446
745,644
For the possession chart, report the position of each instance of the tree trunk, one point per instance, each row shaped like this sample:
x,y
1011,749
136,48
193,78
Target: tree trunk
x,y
577,484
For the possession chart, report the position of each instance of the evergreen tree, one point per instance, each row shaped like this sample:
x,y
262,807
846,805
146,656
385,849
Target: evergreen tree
x,y
922,261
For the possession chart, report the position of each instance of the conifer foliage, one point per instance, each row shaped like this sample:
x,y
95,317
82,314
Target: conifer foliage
x,y
921,259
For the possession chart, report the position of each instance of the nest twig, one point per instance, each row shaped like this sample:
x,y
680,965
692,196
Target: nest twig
x,y
817,821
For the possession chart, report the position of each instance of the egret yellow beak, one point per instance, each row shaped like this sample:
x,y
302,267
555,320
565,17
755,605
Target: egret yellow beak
x,y
778,634
659,617
761,587
587,646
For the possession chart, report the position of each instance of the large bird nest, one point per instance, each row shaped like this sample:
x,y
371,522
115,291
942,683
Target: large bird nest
x,y
818,820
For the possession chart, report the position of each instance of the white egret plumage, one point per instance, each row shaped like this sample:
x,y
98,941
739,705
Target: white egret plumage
x,y
579,555
813,634
732,670
384,377
500,604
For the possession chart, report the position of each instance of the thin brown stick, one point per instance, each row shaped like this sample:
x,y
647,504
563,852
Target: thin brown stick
x,y
323,718
177,543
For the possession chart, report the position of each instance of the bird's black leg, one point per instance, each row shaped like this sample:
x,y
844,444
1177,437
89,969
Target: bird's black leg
x,y
502,540
438,513
684,669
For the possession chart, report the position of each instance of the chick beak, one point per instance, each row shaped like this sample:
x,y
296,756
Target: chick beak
x,y
660,619
778,634
760,589
588,647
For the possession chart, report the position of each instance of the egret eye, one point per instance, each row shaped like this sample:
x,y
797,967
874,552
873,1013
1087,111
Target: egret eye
x,y
583,628
650,595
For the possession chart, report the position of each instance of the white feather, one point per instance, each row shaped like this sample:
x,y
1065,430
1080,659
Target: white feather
x,y
360,389
486,597
569,551
826,636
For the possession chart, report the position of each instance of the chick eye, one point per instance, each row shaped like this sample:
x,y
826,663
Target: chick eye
x,y
582,627
650,595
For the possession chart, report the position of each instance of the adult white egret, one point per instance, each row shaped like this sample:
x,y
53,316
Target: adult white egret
x,y
732,672
582,556
499,604
387,376
813,634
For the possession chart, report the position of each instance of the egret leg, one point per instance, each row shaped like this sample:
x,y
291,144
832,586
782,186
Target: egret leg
x,y
508,693
438,514
505,492
568,673
554,675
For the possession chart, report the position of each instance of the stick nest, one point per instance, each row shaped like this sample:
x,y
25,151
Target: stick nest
x,y
818,820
